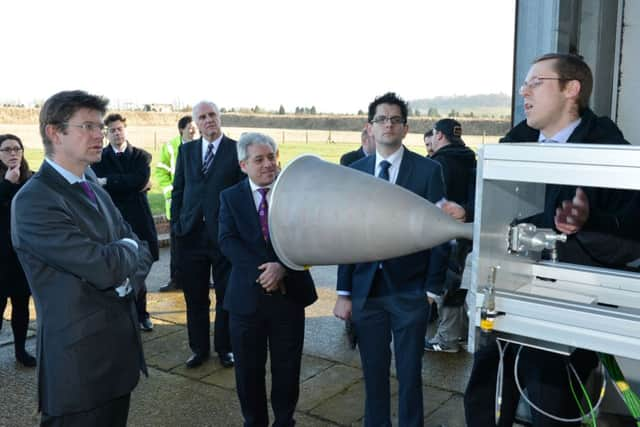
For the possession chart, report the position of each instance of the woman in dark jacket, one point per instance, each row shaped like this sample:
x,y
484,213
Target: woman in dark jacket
x,y
14,172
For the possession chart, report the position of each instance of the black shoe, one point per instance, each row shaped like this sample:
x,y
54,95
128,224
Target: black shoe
x,y
226,359
27,360
169,287
196,360
146,325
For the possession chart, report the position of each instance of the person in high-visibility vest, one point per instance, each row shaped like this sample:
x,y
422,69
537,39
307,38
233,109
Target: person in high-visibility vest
x,y
164,171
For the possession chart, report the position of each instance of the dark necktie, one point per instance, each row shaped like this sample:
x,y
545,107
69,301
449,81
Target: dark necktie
x,y
208,158
263,213
384,170
119,154
89,192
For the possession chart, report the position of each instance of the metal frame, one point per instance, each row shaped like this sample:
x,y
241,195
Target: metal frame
x,y
557,314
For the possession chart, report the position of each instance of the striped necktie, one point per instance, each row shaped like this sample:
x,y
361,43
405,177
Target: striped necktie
x,y
208,158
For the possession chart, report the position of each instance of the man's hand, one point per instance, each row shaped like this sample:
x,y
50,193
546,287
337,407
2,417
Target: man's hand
x,y
454,210
271,276
13,174
573,214
342,309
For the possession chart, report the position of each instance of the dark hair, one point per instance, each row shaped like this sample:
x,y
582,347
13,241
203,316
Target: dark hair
x,y
58,109
184,122
572,67
115,117
25,172
428,133
388,98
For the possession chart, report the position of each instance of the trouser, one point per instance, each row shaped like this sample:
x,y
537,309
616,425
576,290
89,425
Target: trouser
x,y
173,260
199,257
451,322
277,325
19,319
114,413
141,303
404,317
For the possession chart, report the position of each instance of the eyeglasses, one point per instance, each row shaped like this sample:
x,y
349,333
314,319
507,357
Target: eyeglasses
x,y
394,120
89,127
11,150
537,81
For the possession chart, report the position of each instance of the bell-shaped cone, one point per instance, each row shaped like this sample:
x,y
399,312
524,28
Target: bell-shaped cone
x,y
325,214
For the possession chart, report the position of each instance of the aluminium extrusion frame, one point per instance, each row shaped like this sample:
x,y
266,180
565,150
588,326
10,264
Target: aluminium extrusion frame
x,y
551,305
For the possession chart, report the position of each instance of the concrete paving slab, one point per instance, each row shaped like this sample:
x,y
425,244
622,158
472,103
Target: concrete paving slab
x,y
449,414
432,400
166,399
449,371
344,408
18,390
326,384
161,328
168,351
167,306
211,366
224,378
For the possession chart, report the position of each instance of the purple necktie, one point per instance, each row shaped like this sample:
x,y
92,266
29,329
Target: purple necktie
x,y
263,213
89,192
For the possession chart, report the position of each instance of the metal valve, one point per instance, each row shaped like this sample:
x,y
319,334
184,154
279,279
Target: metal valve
x,y
527,237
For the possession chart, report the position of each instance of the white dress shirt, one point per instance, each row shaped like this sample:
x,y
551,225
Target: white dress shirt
x,y
257,197
205,146
563,135
395,159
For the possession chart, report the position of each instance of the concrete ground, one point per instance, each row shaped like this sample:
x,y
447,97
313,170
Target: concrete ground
x,y
332,392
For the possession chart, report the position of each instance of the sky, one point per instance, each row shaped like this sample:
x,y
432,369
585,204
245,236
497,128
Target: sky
x,y
336,55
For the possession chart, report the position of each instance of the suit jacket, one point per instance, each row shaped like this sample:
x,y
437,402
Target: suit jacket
x,y
241,241
352,156
611,211
89,348
417,272
126,176
196,196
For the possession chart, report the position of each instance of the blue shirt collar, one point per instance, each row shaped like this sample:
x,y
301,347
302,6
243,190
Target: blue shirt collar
x,y
69,176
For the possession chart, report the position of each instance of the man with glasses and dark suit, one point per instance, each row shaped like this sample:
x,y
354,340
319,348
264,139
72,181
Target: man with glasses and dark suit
x,y
81,259
388,298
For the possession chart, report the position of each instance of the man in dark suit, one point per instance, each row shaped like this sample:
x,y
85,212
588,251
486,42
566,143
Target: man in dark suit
x,y
388,297
556,96
204,168
458,169
265,299
124,172
368,147
78,255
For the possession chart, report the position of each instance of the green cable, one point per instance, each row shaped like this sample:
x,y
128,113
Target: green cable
x,y
575,397
629,397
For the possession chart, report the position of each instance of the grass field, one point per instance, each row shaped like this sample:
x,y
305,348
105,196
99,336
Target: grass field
x,y
292,143
288,151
